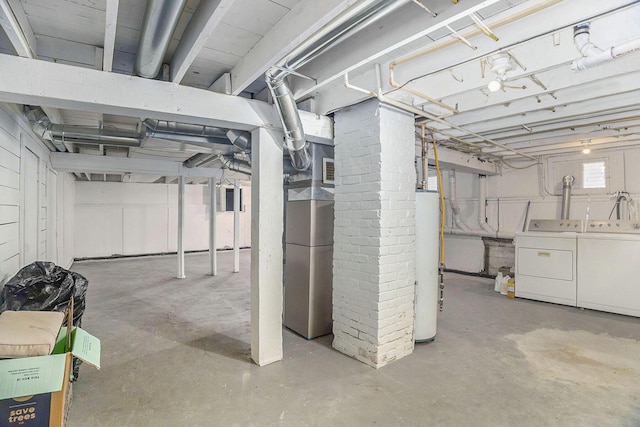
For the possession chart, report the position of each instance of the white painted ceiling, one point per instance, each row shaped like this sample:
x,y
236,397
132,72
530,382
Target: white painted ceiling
x,y
545,108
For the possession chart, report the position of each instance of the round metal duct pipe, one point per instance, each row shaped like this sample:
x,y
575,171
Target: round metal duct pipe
x,y
160,21
567,182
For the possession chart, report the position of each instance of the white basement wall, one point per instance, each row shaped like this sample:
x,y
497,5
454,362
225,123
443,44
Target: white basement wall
x,y
509,193
36,202
137,219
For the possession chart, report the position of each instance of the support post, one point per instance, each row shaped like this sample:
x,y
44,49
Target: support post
x,y
374,233
266,246
213,210
236,226
181,228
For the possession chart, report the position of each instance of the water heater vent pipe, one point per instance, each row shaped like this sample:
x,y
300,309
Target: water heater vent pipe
x,y
567,182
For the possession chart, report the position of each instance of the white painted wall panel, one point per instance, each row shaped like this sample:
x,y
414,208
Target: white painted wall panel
x,y
27,203
30,202
98,231
464,253
144,230
150,218
92,193
632,171
9,214
65,222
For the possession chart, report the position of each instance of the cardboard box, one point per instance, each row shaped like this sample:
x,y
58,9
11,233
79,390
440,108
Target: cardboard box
x,y
36,391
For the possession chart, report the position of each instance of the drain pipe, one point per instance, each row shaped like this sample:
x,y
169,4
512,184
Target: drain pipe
x,y
453,202
593,55
160,21
482,204
567,182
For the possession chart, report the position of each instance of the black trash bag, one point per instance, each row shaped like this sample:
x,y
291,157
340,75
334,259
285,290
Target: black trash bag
x,y
44,286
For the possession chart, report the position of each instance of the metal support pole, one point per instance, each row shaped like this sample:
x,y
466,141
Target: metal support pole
x,y
213,259
236,226
181,228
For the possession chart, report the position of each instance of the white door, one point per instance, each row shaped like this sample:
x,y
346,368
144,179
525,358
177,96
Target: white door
x,y
30,209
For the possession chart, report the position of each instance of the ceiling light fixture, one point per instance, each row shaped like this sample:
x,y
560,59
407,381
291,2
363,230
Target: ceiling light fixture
x,y
495,85
586,149
500,64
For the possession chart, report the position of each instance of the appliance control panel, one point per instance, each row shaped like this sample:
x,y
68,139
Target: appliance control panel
x,y
613,226
555,225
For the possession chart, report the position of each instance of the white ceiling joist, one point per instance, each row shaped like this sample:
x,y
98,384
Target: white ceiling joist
x,y
206,18
66,162
16,26
304,19
111,23
75,88
376,41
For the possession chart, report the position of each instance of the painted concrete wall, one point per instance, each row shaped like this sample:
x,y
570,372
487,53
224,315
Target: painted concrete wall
x,y
134,219
509,193
34,224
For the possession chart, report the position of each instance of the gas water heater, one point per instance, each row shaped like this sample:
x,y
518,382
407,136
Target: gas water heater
x,y
427,263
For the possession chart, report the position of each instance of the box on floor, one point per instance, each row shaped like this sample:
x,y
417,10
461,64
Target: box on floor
x,y
37,391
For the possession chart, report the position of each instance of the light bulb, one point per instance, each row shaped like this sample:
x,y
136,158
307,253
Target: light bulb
x,y
586,150
494,85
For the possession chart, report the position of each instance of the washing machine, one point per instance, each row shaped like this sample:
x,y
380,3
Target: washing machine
x,y
546,261
609,267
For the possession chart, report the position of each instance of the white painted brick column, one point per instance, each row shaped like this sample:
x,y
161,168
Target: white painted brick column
x,y
374,233
266,246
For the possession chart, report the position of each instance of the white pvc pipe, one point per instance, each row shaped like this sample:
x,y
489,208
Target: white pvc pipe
x,y
453,202
482,203
236,226
593,55
213,255
181,227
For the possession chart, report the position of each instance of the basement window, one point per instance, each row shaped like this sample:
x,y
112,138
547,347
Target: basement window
x,y
594,175
229,200
432,183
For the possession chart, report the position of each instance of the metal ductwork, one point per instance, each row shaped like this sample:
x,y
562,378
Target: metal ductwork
x,y
240,139
291,123
164,129
567,182
175,128
198,160
342,27
59,134
198,134
236,165
593,55
160,21
227,161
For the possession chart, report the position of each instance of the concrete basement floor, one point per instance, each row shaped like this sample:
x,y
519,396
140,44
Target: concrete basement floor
x,y
176,353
